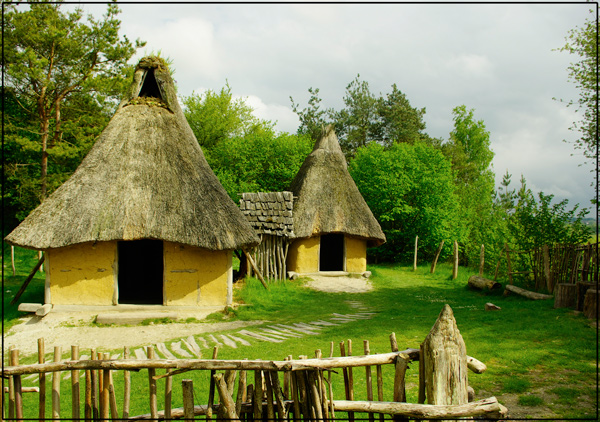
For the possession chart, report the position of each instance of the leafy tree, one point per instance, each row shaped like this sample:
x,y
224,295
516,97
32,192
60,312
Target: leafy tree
x,y
583,42
215,117
258,163
410,190
400,121
469,151
312,118
63,75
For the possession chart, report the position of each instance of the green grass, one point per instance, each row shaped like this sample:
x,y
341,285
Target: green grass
x,y
528,346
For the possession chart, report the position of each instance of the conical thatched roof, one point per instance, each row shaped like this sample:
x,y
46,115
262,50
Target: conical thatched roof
x,y
328,199
145,178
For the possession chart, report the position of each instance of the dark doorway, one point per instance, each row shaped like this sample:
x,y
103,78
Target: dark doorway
x,y
140,275
150,86
331,254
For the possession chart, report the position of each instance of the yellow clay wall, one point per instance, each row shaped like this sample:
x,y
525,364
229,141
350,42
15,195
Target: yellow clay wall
x,y
195,276
82,274
356,255
303,255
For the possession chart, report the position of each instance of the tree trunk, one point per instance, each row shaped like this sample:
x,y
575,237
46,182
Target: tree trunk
x,y
482,283
445,362
590,303
565,295
526,293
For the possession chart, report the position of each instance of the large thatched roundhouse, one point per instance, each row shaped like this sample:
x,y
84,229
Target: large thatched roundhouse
x,y
333,224
143,219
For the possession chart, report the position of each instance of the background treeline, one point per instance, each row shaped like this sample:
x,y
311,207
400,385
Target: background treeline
x,y
65,79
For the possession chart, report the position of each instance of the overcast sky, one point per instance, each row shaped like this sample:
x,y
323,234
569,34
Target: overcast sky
x,y
497,59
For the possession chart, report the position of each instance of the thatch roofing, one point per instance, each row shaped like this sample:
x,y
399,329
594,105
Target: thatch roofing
x,y
328,199
269,212
145,178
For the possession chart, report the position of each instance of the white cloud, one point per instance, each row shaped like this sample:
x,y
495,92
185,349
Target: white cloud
x,y
286,119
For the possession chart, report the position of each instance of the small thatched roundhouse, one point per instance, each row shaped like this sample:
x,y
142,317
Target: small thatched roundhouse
x,y
333,224
143,219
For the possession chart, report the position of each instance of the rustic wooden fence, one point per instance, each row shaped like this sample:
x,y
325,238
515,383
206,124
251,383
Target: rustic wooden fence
x,y
292,389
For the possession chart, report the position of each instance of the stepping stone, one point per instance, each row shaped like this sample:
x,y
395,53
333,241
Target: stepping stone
x,y
299,329
176,346
351,316
193,346
240,340
307,326
342,319
324,323
140,354
213,338
163,349
259,336
204,343
274,335
229,342
278,334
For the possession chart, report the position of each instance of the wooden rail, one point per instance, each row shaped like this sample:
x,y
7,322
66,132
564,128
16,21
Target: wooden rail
x,y
286,390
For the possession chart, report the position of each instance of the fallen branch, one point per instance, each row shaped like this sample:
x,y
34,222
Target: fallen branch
x,y
526,293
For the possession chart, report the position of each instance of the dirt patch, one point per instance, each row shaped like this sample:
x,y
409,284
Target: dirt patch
x,y
74,328
339,284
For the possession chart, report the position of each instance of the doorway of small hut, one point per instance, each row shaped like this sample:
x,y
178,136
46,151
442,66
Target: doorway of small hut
x,y
140,273
331,252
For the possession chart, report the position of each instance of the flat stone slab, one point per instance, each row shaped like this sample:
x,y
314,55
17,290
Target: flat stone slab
x,y
29,307
122,318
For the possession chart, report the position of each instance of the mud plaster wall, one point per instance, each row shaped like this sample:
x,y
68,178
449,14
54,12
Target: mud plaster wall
x,y
82,274
303,255
195,276
356,255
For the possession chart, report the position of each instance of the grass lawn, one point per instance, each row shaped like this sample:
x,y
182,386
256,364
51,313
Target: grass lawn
x,y
541,361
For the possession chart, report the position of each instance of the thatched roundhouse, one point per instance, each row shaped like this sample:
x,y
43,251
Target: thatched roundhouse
x,y
143,219
333,224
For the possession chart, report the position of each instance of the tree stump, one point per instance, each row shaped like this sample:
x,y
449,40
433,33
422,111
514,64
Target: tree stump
x,y
482,283
590,302
445,362
565,295
582,288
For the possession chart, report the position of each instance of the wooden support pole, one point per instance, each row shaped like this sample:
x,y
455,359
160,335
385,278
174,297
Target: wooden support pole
x,y
437,255
75,385
56,386
126,386
481,260
27,280
258,395
416,250
105,402
87,408
269,392
240,393
94,396
11,390
12,260
368,375
42,381
152,384
211,389
187,387
14,361
421,396
258,274
295,398
279,400
455,266
114,413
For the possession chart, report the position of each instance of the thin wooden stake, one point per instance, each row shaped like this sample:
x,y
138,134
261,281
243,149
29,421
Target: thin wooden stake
x,y
94,397
258,395
379,388
152,385
75,384
11,390
416,249
42,381
14,361
87,409
368,375
187,387
295,399
12,260
481,260
269,388
258,274
455,267
27,281
211,390
226,400
56,386
437,255
126,386
240,393
105,402
168,394
114,413
421,397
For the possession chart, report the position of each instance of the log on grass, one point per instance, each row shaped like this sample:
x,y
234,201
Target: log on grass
x,y
565,295
526,293
490,408
481,283
590,303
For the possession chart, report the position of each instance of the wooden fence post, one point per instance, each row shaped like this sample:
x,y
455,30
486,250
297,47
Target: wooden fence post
x,y
42,381
56,386
445,359
126,386
437,255
12,260
187,387
416,250
455,267
14,361
75,384
481,260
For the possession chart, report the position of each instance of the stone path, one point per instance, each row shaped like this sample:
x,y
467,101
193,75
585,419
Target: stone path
x,y
201,347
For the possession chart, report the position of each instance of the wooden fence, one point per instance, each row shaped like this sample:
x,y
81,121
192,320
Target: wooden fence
x,y
288,390
553,265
